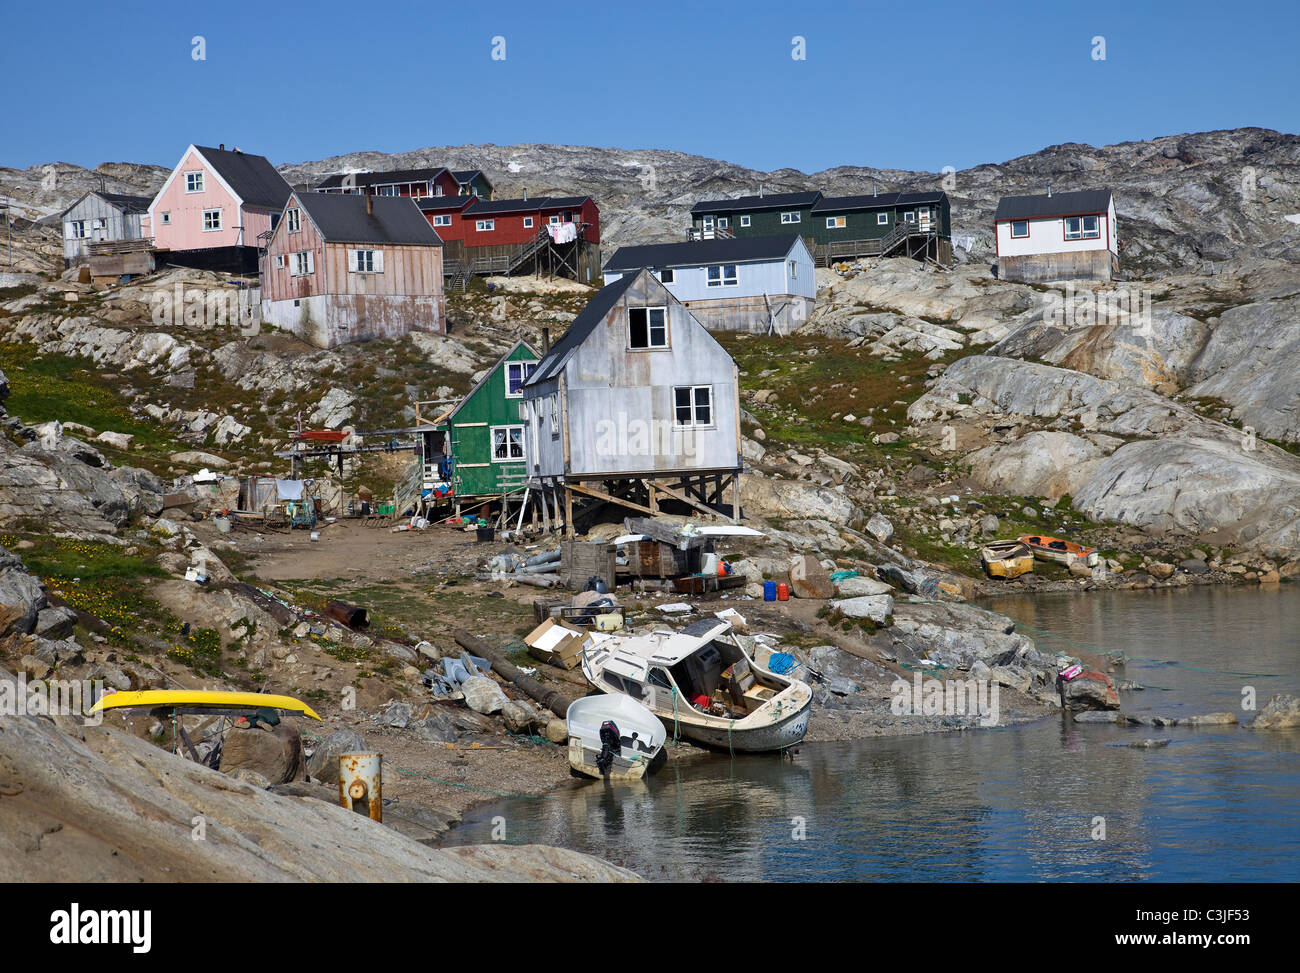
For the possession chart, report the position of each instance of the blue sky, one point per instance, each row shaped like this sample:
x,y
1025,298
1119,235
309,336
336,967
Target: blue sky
x,y
909,86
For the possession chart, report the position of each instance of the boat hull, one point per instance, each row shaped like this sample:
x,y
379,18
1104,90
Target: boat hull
x,y
582,759
779,734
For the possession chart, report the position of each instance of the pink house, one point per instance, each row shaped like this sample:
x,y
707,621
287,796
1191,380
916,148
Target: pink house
x,y
216,209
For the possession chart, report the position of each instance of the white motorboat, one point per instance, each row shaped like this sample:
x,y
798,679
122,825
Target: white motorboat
x,y
613,737
702,685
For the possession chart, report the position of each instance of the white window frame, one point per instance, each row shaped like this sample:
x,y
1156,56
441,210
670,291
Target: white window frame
x,y
507,442
443,219
667,276
723,279
723,222
279,261
528,222
836,222
485,226
303,264
194,182
1082,233
76,229
694,405
793,217
794,268
554,219
744,221
1019,236
882,219
166,218
293,220
217,223
650,329
525,367
909,216
555,415
364,262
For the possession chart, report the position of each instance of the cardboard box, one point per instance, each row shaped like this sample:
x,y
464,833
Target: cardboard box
x,y
556,643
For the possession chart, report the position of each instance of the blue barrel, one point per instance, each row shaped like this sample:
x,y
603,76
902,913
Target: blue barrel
x,y
769,591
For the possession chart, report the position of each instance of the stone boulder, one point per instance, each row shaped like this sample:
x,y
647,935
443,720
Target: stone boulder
x,y
276,754
858,587
1091,690
765,497
880,528
1040,464
324,762
483,695
808,579
1282,712
877,608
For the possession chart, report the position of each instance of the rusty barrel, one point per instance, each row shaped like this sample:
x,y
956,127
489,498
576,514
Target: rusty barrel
x,y
361,783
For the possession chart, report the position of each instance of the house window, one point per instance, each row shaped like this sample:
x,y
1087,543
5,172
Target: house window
x,y
836,222
692,405
1082,228
275,221
666,276
362,262
555,415
211,220
723,275
1019,228
77,229
194,182
507,443
882,219
647,327
528,222
554,220
789,217
744,221
723,222
909,216
166,219
483,226
279,261
794,269
293,219
303,263
442,221
517,373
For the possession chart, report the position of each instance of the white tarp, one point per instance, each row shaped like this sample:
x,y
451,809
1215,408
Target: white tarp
x,y
289,489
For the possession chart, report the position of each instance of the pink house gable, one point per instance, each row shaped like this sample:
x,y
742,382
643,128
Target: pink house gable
x,y
177,214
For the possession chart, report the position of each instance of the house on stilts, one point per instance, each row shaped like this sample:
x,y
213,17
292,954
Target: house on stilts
x,y
636,406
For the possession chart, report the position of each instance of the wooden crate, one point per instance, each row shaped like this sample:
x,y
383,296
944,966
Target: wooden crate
x,y
580,560
655,559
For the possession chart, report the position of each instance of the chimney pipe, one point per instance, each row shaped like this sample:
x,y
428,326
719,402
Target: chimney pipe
x,y
546,341
873,188
525,192
1049,190
370,205
760,190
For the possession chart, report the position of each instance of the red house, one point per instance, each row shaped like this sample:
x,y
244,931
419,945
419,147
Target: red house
x,y
551,234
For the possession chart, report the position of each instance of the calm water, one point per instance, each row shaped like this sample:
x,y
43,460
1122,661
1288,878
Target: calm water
x,y
1217,803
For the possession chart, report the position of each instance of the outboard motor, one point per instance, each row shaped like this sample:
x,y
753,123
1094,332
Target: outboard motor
x,y
611,746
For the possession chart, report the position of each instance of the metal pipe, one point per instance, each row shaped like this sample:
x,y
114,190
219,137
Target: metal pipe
x,y
350,615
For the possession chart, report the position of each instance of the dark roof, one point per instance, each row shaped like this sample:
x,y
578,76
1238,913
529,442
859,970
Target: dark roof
x,y
463,176
840,204
482,205
1058,204
766,201
556,202
429,204
488,376
252,177
128,204
580,328
699,252
382,178
342,218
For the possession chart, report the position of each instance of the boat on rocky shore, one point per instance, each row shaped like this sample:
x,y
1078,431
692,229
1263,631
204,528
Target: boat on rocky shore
x,y
614,737
1060,551
1006,559
703,685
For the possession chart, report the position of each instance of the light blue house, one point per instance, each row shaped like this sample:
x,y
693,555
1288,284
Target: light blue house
x,y
761,284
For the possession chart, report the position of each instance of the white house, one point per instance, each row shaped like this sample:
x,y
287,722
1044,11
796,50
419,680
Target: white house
x,y
100,217
1061,236
763,284
637,399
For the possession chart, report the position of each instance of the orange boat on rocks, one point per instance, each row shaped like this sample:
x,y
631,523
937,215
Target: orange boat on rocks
x,y
1061,551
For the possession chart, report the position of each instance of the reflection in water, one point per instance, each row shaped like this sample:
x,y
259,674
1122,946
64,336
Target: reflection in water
x,y
1218,803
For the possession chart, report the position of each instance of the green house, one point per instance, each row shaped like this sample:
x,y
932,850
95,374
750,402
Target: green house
x,y
917,225
485,436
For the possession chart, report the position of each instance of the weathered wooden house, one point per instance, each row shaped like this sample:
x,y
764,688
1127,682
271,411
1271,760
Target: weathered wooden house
x,y
487,441
216,210
346,267
1066,236
916,225
102,217
763,284
635,405
418,183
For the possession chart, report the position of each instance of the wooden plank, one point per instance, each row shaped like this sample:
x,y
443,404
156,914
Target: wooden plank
x,y
676,495
600,495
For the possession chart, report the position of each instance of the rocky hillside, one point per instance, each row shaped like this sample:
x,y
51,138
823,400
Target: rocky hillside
x,y
1182,199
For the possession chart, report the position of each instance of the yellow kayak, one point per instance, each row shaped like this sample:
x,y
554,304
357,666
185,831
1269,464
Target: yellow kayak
x,y
201,699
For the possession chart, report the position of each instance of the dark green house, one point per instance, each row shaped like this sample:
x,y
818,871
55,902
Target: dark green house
x,y
917,225
485,436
